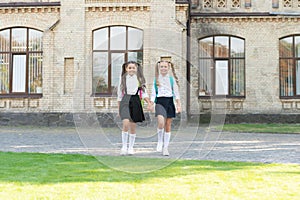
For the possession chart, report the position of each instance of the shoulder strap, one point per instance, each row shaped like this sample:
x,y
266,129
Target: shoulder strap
x,y
172,81
155,86
172,84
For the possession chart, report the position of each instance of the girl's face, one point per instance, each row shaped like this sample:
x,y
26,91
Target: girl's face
x,y
131,69
163,68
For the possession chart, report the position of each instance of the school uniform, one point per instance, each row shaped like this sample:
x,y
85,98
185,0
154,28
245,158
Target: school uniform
x,y
130,103
164,95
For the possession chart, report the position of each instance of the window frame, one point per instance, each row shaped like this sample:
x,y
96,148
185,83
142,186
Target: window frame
x,y
213,58
10,53
294,59
109,52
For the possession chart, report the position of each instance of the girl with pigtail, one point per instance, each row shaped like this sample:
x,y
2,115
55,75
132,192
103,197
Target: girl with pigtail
x,y
164,91
132,88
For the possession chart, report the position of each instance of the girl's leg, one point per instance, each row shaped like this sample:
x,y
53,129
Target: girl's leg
x,y
132,136
167,136
160,132
124,136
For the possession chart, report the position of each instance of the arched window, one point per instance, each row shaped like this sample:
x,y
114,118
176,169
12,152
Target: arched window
x,y
221,66
21,59
112,46
289,64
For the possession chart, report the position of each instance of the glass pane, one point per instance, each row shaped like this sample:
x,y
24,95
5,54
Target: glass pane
x,y
237,47
136,56
205,66
298,78
100,39
297,46
35,40
35,79
100,72
118,38
221,46
286,47
286,77
18,39
206,48
221,77
4,73
117,60
4,40
237,82
19,73
135,39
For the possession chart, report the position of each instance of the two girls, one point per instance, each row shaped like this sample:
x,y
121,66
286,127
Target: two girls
x,y
164,91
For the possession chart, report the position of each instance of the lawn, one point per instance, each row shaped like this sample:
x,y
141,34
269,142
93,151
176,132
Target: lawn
x,y
263,128
72,176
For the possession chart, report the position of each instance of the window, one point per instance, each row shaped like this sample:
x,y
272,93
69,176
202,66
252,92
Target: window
x,y
222,66
289,64
21,59
112,46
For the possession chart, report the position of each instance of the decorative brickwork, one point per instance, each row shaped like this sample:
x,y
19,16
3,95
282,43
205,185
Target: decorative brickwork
x,y
207,3
287,3
236,4
221,3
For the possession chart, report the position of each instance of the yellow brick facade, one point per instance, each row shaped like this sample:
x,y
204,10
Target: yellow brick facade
x,y
67,27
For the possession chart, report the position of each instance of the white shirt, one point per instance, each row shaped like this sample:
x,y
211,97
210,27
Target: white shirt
x,y
132,85
165,89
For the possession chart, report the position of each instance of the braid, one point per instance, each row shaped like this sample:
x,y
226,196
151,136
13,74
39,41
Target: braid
x,y
140,76
157,73
123,78
174,73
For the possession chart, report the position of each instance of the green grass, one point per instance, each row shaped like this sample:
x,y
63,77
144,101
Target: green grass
x,y
67,176
263,128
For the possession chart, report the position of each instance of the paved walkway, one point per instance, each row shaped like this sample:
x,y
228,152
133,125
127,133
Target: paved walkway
x,y
187,143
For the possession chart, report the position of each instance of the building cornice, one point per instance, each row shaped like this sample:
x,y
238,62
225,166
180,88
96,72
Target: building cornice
x,y
5,10
116,1
231,19
29,4
117,8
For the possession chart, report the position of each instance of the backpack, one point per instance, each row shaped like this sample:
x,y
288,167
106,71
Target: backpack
x,y
156,89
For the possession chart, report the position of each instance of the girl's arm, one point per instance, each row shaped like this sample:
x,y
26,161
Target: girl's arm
x,y
177,97
178,105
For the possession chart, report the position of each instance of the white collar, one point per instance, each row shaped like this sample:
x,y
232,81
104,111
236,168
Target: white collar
x,y
163,77
129,76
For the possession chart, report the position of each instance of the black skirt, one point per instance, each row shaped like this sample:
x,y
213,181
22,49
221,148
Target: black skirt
x,y
165,107
131,108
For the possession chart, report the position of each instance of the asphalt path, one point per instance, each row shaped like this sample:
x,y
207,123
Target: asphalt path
x,y
189,142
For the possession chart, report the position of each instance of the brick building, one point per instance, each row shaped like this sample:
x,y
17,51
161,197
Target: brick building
x,y
233,57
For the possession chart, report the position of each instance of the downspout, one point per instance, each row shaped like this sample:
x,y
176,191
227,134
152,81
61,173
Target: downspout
x,y
188,64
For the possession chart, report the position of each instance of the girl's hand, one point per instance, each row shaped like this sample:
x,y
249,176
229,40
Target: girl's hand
x,y
178,108
150,106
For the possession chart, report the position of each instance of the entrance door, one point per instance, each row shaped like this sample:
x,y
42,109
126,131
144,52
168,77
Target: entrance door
x,y
221,77
117,60
19,73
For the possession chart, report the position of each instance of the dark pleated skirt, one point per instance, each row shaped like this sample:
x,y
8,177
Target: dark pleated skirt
x,y
165,107
131,108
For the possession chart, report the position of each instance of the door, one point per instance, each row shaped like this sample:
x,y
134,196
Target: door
x,y
221,74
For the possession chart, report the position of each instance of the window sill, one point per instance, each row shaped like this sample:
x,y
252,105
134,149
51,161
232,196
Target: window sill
x,y
290,98
2,96
103,95
220,97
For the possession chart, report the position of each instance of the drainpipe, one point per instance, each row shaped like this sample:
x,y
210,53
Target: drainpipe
x,y
188,64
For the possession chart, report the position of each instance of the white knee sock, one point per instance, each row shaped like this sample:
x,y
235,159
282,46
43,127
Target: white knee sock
x,y
131,140
124,140
167,137
160,133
